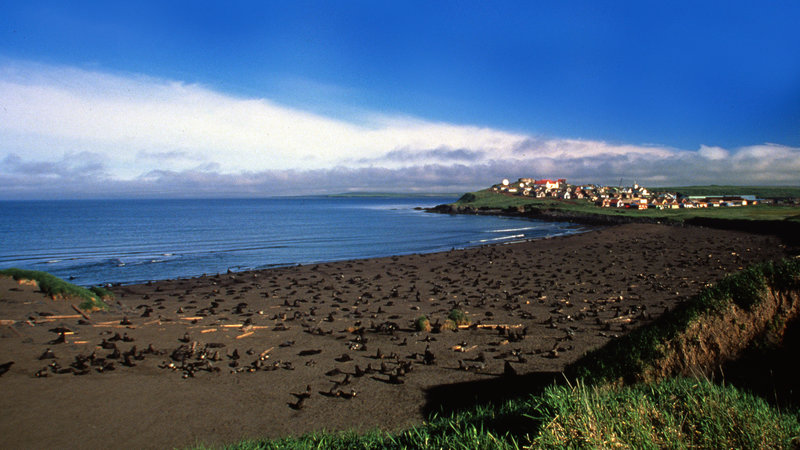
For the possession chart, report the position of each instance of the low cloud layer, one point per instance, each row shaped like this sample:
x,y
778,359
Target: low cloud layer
x,y
67,132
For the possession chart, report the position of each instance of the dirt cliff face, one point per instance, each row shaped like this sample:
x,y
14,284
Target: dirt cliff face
x,y
714,340
741,330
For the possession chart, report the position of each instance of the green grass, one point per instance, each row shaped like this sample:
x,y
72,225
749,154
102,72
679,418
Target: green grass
x,y
676,413
488,199
101,292
57,288
422,323
459,317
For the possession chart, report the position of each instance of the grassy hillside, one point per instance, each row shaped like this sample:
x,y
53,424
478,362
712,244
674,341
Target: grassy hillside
x,y
91,299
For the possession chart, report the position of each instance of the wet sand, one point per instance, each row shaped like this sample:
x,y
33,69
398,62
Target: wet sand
x,y
333,346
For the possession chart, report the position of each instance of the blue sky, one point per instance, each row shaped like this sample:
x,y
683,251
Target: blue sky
x,y
247,98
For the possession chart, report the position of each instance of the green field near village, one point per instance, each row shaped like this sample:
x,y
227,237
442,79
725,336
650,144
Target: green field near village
x,y
488,199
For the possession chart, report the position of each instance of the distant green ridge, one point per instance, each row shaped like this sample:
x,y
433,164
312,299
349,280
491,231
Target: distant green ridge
x,y
391,194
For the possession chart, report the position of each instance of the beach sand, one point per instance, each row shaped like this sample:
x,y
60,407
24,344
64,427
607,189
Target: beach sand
x,y
332,346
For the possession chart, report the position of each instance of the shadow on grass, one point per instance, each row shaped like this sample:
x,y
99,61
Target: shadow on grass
x,y
448,399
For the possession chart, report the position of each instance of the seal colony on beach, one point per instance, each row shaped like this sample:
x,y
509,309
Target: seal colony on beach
x,y
337,345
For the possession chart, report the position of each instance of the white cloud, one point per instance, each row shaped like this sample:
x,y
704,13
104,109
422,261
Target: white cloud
x,y
52,109
137,135
712,153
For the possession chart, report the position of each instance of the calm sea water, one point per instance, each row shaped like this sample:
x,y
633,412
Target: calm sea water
x,y
128,241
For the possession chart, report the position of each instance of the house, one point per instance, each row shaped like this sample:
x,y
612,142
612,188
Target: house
x,y
635,196
669,203
639,190
547,184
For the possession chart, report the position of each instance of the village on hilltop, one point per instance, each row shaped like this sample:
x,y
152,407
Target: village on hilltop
x,y
636,197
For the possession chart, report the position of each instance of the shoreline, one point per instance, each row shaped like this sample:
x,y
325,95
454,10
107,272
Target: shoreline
x,y
341,328
365,258
168,249
786,230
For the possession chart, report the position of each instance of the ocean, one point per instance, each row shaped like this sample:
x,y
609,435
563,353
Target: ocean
x,y
92,242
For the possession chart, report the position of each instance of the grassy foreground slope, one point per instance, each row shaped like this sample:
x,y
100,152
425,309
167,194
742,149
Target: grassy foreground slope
x,y
657,408
676,413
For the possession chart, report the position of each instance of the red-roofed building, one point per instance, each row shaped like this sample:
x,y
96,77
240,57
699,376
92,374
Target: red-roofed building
x,y
549,184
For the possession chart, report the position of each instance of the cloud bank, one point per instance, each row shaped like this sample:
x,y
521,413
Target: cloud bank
x,y
68,132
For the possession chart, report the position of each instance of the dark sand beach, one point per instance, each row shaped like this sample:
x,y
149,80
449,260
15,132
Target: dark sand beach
x,y
333,346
